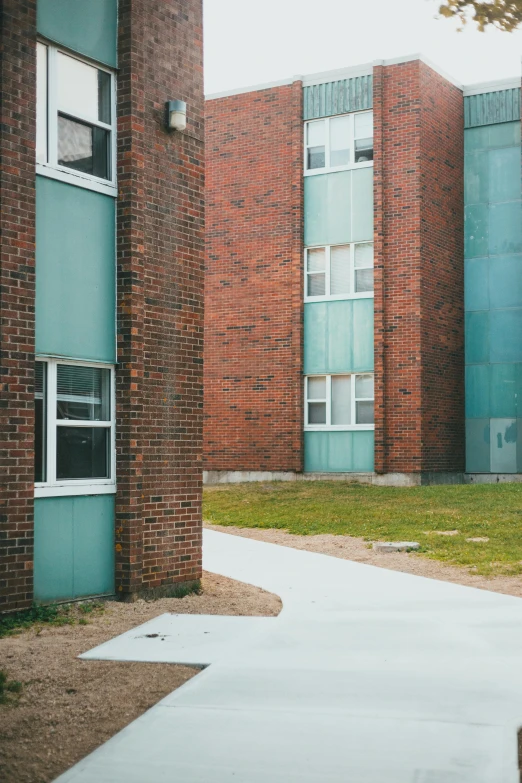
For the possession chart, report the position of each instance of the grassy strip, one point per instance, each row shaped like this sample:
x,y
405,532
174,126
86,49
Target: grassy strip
x,y
53,614
488,511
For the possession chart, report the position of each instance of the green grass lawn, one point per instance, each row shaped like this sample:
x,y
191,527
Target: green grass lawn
x,y
386,514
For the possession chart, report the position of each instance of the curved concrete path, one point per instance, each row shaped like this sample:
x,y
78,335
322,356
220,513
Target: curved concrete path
x,y
367,676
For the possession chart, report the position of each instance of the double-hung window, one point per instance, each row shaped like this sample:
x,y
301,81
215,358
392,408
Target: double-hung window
x,y
75,119
338,143
339,271
74,440
339,402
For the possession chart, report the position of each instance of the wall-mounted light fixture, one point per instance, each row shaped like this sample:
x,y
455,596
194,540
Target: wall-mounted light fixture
x,y
176,115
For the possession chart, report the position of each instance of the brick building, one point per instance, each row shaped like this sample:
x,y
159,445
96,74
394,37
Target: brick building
x,y
364,278
101,267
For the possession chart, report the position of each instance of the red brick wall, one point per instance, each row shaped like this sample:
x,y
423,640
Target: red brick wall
x,y
17,292
253,318
160,297
419,356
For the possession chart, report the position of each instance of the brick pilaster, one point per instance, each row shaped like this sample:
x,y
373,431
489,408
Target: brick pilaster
x,y
17,299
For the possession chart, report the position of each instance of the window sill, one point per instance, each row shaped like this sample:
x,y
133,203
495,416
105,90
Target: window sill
x,y
340,297
336,169
340,428
89,183
63,490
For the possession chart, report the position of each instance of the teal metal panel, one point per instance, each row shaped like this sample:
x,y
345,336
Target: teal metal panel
x,y
75,272
339,452
505,338
503,180
492,107
478,458
505,227
477,391
338,336
338,97
476,284
476,230
503,442
328,208
505,281
89,28
330,216
506,134
477,337
362,205
362,351
53,549
476,182
73,547
504,390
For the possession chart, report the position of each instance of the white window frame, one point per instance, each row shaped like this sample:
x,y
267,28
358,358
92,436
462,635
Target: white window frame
x,y
327,168
329,427
327,297
51,167
54,487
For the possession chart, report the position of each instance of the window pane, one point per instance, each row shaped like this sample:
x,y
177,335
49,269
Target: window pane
x,y
316,259
363,125
317,388
364,255
315,158
83,90
316,413
341,399
363,280
316,285
41,103
340,270
82,452
363,150
364,386
339,141
364,412
83,147
315,134
40,396
82,393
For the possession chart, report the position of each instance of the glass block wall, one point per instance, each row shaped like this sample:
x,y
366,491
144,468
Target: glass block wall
x,y
493,290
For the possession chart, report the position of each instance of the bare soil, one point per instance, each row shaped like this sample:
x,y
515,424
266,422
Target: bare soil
x,y
356,549
68,707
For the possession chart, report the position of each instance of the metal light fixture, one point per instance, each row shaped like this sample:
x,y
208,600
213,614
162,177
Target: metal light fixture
x,y
176,115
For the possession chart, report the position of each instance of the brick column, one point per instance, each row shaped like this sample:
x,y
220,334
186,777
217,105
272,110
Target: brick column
x,y
17,299
160,297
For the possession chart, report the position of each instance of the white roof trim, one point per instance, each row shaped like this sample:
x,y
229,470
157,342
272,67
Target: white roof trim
x,y
338,75
252,88
410,57
500,84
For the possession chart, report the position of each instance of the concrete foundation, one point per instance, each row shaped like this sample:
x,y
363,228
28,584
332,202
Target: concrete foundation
x,y
214,477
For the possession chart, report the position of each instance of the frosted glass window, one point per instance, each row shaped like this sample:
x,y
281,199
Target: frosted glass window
x,y
341,399
83,90
340,141
340,272
363,280
364,125
363,262
41,103
316,152
364,412
316,413
317,388
316,259
364,386
364,255
316,271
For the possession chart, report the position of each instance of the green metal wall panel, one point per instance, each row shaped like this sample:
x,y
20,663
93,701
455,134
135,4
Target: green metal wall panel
x,y
89,28
338,97
331,214
339,452
338,336
73,547
75,272
493,294
492,107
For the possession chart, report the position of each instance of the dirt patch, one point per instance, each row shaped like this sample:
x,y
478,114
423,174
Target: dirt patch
x,y
356,549
69,707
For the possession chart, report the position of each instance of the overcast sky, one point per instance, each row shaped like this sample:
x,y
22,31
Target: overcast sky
x,y
249,42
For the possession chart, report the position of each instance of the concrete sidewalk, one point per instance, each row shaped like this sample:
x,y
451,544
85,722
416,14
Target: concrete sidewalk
x,y
366,676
